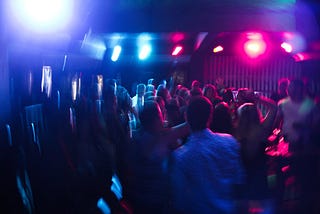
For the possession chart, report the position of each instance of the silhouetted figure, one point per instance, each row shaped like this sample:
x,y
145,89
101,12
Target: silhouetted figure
x,y
222,119
282,91
210,91
150,149
252,131
207,168
297,116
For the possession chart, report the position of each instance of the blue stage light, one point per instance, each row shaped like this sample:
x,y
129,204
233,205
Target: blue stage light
x,y
145,51
144,46
116,53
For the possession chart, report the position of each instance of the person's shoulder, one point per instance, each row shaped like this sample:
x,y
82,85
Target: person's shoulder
x,y
224,136
181,154
284,101
225,140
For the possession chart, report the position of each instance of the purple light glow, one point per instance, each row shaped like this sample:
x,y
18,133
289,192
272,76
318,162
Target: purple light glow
x,y
42,16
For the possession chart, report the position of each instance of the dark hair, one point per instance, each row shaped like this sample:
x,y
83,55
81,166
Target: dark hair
x,y
149,113
199,113
222,119
196,92
209,87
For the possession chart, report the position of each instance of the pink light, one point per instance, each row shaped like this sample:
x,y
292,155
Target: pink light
x,y
177,37
288,35
177,50
299,57
254,36
254,48
218,49
287,47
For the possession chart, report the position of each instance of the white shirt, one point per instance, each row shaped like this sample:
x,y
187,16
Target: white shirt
x,y
296,117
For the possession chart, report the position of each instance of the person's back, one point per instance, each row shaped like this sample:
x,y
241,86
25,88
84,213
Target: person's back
x,y
298,115
207,169
295,128
151,147
138,99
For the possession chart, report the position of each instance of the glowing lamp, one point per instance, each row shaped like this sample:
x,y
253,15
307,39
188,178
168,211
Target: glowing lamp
x,y
116,53
287,47
254,48
144,52
218,49
42,15
177,50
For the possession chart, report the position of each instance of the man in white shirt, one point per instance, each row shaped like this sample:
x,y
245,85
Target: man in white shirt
x,y
295,116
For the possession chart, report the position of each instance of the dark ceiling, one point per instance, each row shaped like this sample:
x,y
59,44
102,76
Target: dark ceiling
x,y
105,16
101,18
197,16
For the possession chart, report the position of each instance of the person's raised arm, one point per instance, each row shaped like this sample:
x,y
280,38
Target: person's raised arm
x,y
177,132
269,119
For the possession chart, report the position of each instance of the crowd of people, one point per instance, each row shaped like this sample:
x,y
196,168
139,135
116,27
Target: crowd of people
x,y
203,149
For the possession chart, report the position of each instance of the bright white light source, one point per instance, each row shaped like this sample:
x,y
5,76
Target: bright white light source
x,y
176,50
42,15
255,48
144,51
46,80
287,47
116,53
218,49
144,45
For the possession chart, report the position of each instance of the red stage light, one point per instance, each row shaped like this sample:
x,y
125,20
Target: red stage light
x,y
177,50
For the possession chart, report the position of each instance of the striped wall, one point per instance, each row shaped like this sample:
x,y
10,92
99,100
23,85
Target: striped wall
x,y
259,75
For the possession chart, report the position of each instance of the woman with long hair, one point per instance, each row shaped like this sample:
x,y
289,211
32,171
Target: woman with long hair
x,y
252,131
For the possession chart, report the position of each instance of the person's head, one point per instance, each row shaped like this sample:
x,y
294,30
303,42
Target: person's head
x,y
222,119
245,95
283,85
150,81
248,115
196,92
123,99
195,84
199,113
150,88
141,90
296,90
112,83
173,112
163,92
163,82
220,82
151,117
227,96
210,91
184,93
